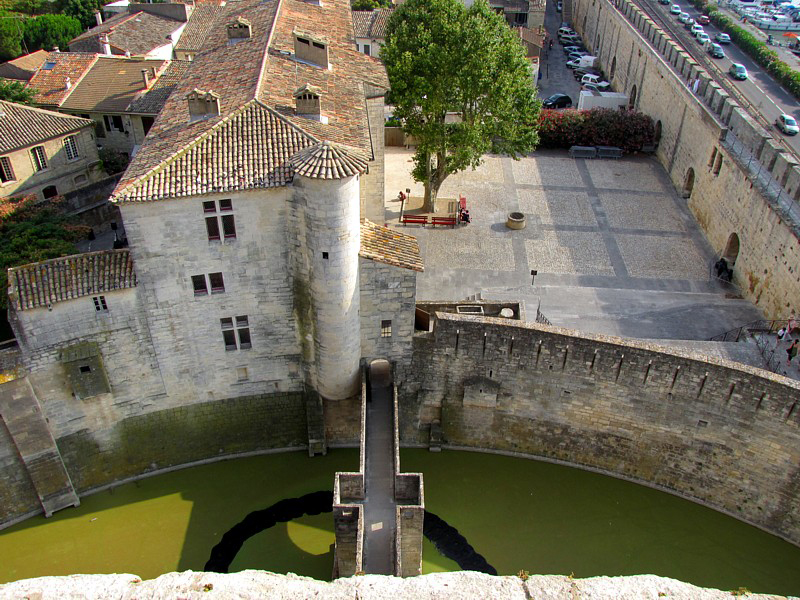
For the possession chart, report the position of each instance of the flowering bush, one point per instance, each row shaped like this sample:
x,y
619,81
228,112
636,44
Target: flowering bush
x,y
626,129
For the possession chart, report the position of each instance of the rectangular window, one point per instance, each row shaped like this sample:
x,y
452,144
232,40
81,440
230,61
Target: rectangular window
x,y
223,223
100,303
225,205
303,41
118,123
212,226
228,227
217,283
318,45
85,369
236,337
113,123
6,172
366,49
39,158
71,147
386,328
199,285
209,207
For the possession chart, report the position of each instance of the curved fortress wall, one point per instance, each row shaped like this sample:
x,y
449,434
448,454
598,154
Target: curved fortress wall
x,y
693,125
720,433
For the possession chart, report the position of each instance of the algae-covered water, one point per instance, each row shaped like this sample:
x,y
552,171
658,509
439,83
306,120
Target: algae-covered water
x,y
520,514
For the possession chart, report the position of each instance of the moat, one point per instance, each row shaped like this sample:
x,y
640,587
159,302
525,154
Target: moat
x,y
519,514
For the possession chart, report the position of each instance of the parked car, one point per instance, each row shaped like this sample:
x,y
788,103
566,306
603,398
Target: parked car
x,y
722,38
600,86
663,1
716,51
689,23
675,9
557,101
581,71
577,55
568,49
683,17
703,20
570,40
565,31
738,71
574,64
787,124
702,38
695,29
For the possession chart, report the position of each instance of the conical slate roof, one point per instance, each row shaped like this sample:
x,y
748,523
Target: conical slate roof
x,y
327,161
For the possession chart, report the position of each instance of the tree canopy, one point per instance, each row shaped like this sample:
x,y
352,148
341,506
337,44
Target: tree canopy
x,y
83,10
48,31
10,36
444,58
15,91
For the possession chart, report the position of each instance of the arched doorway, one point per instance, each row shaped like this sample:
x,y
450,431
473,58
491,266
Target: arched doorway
x,y
49,192
633,97
657,134
613,68
731,249
688,183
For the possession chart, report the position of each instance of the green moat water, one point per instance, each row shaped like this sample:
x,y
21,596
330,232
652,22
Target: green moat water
x,y
520,514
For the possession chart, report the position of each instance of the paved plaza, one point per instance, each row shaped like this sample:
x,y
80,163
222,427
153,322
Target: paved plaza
x,y
616,250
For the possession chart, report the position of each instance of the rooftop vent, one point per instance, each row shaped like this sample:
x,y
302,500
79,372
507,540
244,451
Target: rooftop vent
x,y
202,105
310,48
239,30
307,101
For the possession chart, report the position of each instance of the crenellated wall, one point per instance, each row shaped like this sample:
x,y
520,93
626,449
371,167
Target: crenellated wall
x,y
706,144
721,433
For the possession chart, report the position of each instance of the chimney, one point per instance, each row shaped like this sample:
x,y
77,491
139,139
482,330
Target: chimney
x,y
56,49
68,83
98,16
106,45
146,77
307,102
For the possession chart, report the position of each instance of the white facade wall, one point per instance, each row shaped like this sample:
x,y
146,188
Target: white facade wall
x,y
169,244
327,249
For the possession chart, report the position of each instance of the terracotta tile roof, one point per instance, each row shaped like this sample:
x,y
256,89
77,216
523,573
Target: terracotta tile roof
x,y
22,126
371,23
248,149
152,101
59,279
390,247
263,68
198,27
50,81
110,85
137,33
24,67
326,161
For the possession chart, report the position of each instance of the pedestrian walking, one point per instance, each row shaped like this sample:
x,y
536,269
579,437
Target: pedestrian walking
x,y
792,352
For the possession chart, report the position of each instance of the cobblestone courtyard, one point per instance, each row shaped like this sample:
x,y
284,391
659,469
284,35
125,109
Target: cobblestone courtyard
x,y
616,250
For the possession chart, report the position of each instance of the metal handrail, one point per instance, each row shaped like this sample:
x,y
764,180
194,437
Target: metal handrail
x,y
759,325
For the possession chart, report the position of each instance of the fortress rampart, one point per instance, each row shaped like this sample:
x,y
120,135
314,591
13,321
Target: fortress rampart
x,y
740,183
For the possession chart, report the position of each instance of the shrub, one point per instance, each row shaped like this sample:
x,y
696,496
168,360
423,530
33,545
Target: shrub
x,y
627,129
113,161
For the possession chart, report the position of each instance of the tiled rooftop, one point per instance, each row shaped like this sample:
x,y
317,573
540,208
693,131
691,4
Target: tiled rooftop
x,y
225,158
110,85
50,81
137,33
390,247
326,161
59,279
371,23
22,126
152,101
263,68
198,27
24,67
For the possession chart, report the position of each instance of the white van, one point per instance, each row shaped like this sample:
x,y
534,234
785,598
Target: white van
x,y
589,78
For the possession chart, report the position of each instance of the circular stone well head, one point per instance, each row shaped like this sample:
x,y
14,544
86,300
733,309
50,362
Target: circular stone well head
x,y
516,220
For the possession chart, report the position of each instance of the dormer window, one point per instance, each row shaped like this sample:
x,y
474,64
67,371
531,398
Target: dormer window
x,y
310,48
202,105
239,30
307,103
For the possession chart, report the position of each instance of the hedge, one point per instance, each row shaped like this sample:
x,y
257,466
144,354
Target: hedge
x,y
752,46
627,129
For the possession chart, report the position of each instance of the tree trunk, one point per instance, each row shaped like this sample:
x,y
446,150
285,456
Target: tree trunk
x,y
435,176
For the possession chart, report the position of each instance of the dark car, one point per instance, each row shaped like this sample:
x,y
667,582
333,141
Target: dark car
x,y
557,101
716,51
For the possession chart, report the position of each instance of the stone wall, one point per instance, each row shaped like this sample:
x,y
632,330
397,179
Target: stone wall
x,y
720,433
695,148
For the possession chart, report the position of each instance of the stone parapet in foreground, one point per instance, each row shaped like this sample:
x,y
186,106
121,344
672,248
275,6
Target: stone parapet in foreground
x,y
440,586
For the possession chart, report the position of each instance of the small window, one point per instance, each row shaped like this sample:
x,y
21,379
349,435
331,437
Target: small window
x,y
386,328
238,337
212,227
304,41
366,49
324,256
225,205
113,123
71,147
39,158
209,207
85,369
318,45
118,123
217,283
49,65
199,285
100,303
6,172
228,227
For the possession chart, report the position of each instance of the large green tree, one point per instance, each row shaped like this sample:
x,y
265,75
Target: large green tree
x,y
15,91
10,36
48,31
444,58
83,10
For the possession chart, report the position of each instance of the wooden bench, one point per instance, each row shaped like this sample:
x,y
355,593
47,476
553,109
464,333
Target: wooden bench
x,y
451,221
415,219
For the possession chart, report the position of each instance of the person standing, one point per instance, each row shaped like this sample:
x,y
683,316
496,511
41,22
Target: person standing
x,y
792,352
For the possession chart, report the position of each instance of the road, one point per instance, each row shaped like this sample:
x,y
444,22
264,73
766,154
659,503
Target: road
x,y
767,96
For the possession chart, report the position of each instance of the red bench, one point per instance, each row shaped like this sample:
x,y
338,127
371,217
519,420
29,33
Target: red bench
x,y
451,221
415,219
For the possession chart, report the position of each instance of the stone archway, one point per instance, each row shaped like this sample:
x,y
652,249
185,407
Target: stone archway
x,y
49,192
731,252
688,183
634,93
613,69
657,134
